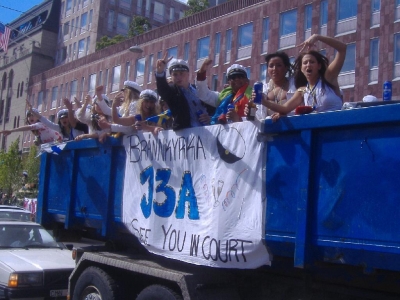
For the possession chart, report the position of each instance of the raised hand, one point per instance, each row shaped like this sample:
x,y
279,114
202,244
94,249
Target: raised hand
x,y
309,43
206,63
162,63
67,103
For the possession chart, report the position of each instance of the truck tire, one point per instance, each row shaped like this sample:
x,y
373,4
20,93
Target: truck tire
x,y
158,292
95,284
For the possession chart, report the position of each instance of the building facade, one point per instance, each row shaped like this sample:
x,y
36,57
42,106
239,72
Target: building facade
x,y
31,51
243,32
84,22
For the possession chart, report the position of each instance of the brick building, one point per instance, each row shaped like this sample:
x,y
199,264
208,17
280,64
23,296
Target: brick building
x,y
243,31
30,52
84,22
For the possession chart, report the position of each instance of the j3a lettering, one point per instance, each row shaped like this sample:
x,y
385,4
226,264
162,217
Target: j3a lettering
x,y
166,208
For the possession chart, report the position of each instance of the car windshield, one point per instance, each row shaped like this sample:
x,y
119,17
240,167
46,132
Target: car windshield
x,y
15,215
25,236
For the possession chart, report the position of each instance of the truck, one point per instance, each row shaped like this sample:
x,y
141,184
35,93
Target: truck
x,y
306,207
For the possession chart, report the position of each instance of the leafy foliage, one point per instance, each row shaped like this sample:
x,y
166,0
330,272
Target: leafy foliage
x,y
31,164
139,25
11,169
196,6
105,41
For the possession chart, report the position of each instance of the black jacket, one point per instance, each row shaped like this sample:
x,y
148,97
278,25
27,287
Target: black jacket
x,y
176,101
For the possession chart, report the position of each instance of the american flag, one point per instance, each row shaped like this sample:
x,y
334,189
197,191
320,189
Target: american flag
x,y
4,36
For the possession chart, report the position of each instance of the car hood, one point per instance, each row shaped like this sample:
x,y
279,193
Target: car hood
x,y
36,259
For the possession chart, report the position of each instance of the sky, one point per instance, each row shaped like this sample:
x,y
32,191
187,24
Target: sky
x,y
12,9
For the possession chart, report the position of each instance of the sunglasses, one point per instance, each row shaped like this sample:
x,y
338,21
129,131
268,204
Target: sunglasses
x,y
234,76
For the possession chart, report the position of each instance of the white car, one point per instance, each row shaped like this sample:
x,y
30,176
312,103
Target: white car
x,y
32,264
16,213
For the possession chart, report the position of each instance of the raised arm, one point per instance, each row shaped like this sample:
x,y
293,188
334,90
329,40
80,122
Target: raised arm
x,y
71,115
336,65
203,92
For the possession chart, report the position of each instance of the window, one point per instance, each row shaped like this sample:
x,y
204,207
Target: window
x,y
122,24
307,21
228,45
87,45
116,78
82,88
373,60
396,55
60,93
346,16
68,8
66,30
83,22
217,47
77,28
147,12
203,46
67,91
90,19
72,28
265,35
100,78
245,40
74,89
214,82
263,72
74,51
171,14
287,29
110,21
350,62
125,4
140,67
375,13
346,9
323,17
40,101
186,52
150,68
81,48
158,11
173,52
347,74
127,70
106,81
54,95
92,84
248,71
139,7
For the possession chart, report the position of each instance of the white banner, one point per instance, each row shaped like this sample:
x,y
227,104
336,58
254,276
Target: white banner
x,y
196,195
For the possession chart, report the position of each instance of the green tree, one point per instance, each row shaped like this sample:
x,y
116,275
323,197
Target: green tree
x,y
138,26
11,169
196,6
105,41
31,164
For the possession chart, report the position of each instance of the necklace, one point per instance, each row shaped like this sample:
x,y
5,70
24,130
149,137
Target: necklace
x,y
312,94
277,91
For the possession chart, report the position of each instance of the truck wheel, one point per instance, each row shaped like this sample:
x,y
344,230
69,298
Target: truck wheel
x,y
95,284
158,292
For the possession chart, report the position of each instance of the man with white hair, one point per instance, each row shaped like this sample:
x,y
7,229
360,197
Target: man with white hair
x,y
186,107
237,93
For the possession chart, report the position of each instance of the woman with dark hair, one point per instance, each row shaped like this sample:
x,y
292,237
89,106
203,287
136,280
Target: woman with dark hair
x,y
280,86
316,80
42,133
67,124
